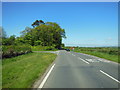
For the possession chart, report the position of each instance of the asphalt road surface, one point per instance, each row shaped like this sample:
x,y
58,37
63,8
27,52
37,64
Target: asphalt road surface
x,y
76,70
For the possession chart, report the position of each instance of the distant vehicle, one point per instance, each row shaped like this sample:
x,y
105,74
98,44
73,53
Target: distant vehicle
x,y
67,49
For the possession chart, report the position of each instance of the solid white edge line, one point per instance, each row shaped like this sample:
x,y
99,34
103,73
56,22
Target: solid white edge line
x,y
84,61
46,77
110,76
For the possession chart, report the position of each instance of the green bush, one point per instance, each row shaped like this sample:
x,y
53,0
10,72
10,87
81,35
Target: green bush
x,y
43,48
50,48
15,50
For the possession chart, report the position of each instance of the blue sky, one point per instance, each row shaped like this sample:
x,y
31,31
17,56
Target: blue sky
x,y
85,23
60,0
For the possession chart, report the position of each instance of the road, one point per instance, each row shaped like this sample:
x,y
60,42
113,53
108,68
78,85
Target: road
x,y
77,70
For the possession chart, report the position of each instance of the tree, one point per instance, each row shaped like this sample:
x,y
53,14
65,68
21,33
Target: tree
x,y
12,38
62,45
19,41
45,34
9,41
41,22
2,33
37,23
58,33
26,31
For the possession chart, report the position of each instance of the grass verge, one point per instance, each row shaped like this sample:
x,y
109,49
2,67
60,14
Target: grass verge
x,y
22,71
102,55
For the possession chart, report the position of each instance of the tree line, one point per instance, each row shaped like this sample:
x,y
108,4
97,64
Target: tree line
x,y
42,33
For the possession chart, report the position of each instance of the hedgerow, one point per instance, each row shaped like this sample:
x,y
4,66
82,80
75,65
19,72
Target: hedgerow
x,y
43,48
15,50
109,50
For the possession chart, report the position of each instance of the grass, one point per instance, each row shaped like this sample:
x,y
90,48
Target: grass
x,y
0,74
102,55
22,71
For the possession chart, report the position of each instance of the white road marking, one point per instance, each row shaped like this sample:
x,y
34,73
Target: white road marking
x,y
46,77
84,60
102,60
99,59
110,76
92,60
73,54
57,52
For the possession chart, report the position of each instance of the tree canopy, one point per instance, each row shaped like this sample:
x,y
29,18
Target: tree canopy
x,y
37,23
2,33
45,34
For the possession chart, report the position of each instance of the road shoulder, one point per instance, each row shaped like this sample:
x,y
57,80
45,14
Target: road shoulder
x,y
41,78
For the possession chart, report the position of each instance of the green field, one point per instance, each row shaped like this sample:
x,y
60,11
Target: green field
x,y
109,53
22,71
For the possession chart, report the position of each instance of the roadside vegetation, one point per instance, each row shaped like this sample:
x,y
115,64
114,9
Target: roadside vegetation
x,y
43,48
23,71
20,66
44,36
15,50
110,53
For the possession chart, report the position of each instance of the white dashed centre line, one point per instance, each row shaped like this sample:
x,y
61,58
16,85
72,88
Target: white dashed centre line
x,y
84,60
109,76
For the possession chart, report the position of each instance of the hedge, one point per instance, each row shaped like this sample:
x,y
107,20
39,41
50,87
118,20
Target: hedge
x,y
15,50
43,48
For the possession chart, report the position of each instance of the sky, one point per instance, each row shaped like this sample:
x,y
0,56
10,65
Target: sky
x,y
60,0
85,23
